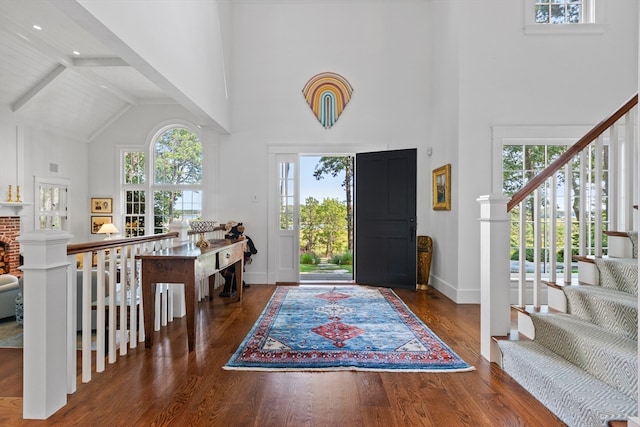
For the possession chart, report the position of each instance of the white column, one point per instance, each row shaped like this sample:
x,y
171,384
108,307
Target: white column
x,y
494,273
177,298
45,322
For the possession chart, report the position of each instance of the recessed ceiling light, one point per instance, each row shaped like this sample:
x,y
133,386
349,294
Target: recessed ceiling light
x,y
75,52
37,27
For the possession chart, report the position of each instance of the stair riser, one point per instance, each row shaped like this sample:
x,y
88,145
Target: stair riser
x,y
525,326
588,273
557,300
620,247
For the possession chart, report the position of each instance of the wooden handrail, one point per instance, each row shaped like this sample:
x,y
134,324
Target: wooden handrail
x,y
564,158
78,248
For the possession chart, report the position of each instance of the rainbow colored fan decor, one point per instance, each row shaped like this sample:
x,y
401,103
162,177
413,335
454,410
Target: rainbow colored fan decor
x,y
327,94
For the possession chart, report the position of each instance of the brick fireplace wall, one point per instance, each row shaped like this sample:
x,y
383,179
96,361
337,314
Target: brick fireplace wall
x,y
9,231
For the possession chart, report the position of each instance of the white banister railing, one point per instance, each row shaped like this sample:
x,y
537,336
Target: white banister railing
x,y
537,245
111,304
567,224
584,234
627,171
553,229
603,163
118,261
522,257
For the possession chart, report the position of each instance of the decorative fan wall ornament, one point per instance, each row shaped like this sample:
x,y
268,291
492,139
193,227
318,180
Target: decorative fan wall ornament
x,y
327,94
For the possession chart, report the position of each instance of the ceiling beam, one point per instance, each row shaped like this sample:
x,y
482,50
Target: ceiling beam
x,y
39,87
99,62
91,76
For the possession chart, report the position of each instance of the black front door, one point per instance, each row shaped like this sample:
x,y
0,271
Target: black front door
x,y
385,196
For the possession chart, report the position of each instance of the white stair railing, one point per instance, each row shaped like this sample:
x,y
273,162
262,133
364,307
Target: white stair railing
x,y
601,209
110,294
607,141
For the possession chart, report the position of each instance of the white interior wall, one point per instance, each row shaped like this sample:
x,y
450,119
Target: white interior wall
x,y
37,150
42,150
277,47
443,130
9,150
509,78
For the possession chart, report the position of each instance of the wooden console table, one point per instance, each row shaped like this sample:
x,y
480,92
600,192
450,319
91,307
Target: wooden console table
x,y
178,265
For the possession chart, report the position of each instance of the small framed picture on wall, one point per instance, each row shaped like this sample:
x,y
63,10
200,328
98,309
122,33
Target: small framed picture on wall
x,y
99,221
442,188
101,205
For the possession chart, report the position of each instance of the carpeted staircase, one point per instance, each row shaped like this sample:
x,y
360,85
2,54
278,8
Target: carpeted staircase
x,y
583,364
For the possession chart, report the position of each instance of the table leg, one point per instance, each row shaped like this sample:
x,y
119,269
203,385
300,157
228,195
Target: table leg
x,y
212,285
190,304
239,268
149,299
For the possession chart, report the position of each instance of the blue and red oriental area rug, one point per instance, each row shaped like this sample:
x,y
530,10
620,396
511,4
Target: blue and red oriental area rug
x,y
327,328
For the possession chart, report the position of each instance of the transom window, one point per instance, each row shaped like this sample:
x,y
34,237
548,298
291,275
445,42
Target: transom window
x,y
559,11
563,11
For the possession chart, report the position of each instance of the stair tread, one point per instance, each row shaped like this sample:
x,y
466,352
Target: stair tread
x,y
585,258
530,308
592,258
618,233
513,335
560,283
567,321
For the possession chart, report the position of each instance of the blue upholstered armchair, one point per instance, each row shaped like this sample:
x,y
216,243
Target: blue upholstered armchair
x,y
9,289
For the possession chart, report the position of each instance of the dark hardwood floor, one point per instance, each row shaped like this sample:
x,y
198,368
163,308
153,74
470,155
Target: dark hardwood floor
x,y
169,386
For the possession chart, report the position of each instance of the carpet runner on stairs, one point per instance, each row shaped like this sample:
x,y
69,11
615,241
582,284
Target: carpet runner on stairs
x,y
608,357
575,396
609,308
583,364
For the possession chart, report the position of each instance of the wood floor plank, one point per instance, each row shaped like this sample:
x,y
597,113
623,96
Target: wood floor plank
x,y
167,385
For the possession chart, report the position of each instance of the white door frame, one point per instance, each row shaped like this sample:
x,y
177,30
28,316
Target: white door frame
x,y
287,270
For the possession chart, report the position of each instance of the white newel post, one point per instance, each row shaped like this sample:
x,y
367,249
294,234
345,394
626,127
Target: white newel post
x,y
494,273
45,322
182,227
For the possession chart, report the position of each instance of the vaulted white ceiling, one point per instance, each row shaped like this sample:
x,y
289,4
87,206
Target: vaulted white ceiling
x,y
47,85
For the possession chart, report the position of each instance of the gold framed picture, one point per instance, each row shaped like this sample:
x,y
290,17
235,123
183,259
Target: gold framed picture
x,y
100,205
442,188
98,221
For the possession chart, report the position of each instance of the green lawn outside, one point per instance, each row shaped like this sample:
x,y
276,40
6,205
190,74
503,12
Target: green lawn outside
x,y
309,268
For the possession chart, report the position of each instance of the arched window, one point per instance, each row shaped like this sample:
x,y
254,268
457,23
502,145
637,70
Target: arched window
x,y
176,189
177,172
